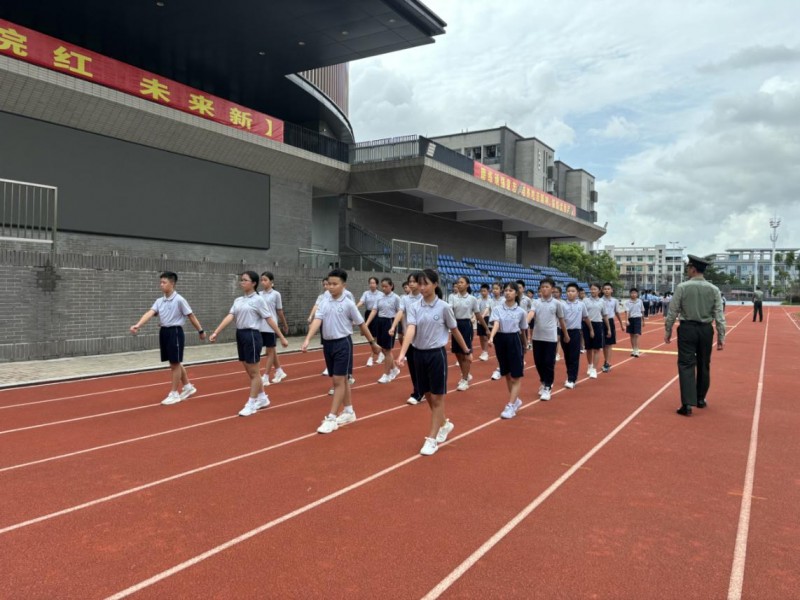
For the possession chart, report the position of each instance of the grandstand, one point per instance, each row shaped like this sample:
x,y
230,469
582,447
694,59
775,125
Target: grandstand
x,y
482,271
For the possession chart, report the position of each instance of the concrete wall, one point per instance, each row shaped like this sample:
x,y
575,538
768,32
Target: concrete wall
x,y
85,304
325,224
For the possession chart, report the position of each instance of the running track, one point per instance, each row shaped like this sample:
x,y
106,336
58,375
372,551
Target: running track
x,y
604,492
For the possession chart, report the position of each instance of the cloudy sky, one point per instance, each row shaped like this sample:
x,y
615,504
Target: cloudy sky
x,y
687,113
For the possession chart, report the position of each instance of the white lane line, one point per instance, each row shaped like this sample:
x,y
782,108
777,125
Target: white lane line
x,y
147,385
740,547
792,319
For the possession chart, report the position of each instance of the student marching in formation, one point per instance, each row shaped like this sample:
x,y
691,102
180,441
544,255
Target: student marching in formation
x,y
582,297
273,299
428,323
368,300
383,314
249,310
557,296
483,334
575,315
597,315
172,310
496,300
612,308
635,310
464,306
401,320
336,315
548,313
525,302
509,322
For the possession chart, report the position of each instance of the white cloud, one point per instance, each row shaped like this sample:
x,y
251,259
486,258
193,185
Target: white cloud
x,y
616,128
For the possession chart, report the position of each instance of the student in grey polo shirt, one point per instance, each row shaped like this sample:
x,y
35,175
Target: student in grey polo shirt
x,y
575,315
509,322
249,310
275,303
465,306
548,314
172,309
597,314
336,315
406,302
368,300
429,322
383,315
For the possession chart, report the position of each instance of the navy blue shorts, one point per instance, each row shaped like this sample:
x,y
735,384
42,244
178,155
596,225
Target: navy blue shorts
x,y
431,369
249,344
465,327
610,340
338,356
482,332
373,325
595,343
634,326
268,339
382,336
510,354
171,340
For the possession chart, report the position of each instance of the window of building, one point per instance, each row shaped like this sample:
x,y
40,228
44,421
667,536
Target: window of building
x,y
474,152
492,151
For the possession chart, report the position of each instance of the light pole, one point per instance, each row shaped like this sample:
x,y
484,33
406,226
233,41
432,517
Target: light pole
x,y
774,223
674,246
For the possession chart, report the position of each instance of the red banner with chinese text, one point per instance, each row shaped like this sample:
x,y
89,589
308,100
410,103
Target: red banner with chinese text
x,y
51,53
515,186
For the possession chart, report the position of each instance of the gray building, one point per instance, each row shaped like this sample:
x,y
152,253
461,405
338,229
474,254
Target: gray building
x,y
743,263
648,267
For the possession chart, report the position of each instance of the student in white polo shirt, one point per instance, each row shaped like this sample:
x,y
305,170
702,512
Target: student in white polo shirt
x,y
248,311
484,305
548,314
612,308
336,315
634,308
368,300
273,299
172,310
597,315
401,321
575,316
509,322
383,314
429,322
465,306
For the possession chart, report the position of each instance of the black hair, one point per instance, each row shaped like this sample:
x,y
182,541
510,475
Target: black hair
x,y
252,276
573,284
547,280
484,286
268,275
432,277
173,277
519,282
557,288
389,281
597,285
415,275
340,273
375,279
469,287
512,285
609,284
633,289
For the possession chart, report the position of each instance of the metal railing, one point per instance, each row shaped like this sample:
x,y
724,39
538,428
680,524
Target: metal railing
x,y
386,149
413,256
370,246
313,141
28,212
308,258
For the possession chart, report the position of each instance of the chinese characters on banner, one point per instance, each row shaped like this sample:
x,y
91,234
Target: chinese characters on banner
x,y
515,186
50,53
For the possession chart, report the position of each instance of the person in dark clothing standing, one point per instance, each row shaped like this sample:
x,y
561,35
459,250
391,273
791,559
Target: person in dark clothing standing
x,y
696,303
758,306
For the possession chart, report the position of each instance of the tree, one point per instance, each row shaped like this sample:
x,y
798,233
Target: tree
x,y
583,266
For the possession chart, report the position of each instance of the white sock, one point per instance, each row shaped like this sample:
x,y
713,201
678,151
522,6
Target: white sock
x,y
348,409
331,416
262,395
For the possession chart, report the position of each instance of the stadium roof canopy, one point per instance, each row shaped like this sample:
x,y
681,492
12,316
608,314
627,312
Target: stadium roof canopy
x,y
241,50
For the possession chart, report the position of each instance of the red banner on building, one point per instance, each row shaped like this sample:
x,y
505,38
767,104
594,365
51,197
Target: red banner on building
x,y
515,186
50,53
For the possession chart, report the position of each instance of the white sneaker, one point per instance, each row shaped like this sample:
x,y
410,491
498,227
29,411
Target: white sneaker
x,y
469,377
545,394
172,398
262,402
558,357
279,376
496,375
583,351
329,425
325,372
384,379
412,401
249,408
345,417
541,389
380,360
188,390
510,411
463,385
429,447
370,362
394,373
352,380
484,356
589,370
444,431
570,385
330,392
593,374
265,379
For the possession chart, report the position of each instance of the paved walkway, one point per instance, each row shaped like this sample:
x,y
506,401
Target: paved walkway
x,y
78,367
